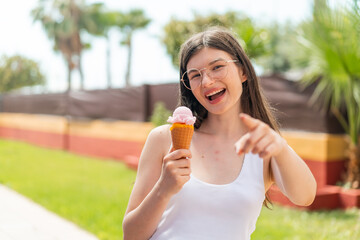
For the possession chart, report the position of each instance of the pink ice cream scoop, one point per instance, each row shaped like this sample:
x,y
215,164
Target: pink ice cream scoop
x,y
182,115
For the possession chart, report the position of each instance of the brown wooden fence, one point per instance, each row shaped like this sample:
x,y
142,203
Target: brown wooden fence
x,y
137,104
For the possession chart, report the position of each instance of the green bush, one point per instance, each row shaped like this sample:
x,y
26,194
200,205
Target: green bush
x,y
160,114
17,72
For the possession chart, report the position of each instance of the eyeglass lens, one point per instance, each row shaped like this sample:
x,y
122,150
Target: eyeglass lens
x,y
215,71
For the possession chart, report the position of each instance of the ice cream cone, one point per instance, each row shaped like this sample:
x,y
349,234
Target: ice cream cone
x,y
181,135
182,128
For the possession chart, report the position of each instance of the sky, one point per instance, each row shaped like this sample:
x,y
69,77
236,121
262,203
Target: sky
x,y
150,62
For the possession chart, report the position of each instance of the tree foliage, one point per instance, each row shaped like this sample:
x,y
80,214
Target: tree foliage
x,y
17,72
64,21
331,40
253,39
102,19
282,49
160,114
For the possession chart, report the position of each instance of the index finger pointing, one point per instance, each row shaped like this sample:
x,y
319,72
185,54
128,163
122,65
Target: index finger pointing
x,y
249,122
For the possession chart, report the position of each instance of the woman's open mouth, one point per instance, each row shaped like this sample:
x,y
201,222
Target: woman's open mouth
x,y
215,96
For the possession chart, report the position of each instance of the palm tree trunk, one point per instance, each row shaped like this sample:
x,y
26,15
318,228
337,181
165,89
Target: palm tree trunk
x,y
127,77
353,167
108,57
69,76
81,72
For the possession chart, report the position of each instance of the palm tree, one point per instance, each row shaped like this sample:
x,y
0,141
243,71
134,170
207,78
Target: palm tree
x,y
63,21
331,41
102,22
128,23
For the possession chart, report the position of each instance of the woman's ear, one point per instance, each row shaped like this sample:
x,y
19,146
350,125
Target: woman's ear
x,y
243,76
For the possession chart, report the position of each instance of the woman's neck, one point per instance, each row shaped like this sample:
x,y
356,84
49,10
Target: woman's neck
x,y
223,125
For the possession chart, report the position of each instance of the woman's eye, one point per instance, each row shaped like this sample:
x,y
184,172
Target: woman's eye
x,y
217,67
194,77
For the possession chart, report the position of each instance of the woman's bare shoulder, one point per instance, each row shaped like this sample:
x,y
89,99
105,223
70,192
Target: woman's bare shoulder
x,y
161,131
160,134
158,141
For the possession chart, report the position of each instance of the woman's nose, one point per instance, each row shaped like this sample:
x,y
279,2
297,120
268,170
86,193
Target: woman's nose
x,y
206,79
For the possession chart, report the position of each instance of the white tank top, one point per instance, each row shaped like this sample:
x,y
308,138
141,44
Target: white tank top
x,y
204,211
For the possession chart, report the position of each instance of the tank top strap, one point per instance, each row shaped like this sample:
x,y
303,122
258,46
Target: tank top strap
x,y
252,169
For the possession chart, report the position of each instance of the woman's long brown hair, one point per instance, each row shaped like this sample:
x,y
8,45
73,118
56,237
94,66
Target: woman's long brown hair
x,y
253,101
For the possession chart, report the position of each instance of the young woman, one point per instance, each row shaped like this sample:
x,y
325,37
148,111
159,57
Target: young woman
x,y
216,189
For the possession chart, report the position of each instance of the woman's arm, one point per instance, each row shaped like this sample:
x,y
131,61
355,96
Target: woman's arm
x,y
288,170
160,175
293,177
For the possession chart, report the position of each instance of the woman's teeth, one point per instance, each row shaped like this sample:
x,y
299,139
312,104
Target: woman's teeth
x,y
215,94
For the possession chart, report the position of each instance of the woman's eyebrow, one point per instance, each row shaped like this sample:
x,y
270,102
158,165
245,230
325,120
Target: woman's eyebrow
x,y
192,70
213,61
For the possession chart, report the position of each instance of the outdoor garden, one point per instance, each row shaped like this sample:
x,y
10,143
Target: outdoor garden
x,y
93,191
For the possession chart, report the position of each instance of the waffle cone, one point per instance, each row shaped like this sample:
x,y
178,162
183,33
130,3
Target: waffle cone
x,y
181,135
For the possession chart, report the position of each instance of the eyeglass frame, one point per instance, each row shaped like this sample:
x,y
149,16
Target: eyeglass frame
x,y
200,70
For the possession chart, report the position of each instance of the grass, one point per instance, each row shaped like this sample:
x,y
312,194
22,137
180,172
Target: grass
x,y
291,224
94,193
89,192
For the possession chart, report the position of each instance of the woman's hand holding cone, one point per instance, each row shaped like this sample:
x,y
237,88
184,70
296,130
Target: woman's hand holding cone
x,y
175,171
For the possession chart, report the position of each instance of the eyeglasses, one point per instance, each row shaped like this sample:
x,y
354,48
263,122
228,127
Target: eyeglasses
x,y
216,70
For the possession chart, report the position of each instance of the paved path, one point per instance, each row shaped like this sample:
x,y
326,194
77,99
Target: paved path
x,y
22,219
